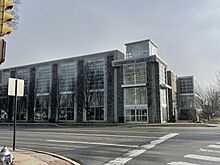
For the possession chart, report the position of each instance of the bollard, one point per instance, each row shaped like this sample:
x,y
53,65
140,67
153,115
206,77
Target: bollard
x,y
6,158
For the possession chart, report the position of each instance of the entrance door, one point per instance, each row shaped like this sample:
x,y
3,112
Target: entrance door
x,y
136,114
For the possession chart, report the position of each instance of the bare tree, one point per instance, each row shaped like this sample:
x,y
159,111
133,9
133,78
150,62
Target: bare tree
x,y
218,79
211,102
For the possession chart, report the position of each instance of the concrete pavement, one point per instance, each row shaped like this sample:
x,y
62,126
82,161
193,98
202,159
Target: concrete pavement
x,y
27,157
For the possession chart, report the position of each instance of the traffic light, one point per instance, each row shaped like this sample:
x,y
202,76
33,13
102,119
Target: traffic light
x,y
2,50
5,17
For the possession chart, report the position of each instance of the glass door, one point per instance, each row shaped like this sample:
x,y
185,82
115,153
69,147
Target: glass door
x,y
136,114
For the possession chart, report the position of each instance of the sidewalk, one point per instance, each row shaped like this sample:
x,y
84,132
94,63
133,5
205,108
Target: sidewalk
x,y
27,157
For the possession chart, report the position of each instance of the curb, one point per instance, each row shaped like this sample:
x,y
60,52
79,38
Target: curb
x,y
74,162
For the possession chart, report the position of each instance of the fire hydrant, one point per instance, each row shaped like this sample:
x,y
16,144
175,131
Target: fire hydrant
x,y
6,157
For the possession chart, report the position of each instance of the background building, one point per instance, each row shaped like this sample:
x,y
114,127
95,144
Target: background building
x,y
189,98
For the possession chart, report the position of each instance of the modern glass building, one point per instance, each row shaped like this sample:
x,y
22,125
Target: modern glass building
x,y
102,87
74,89
189,98
140,80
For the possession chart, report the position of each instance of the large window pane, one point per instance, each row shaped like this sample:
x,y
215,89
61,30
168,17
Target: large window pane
x,y
43,77
134,96
134,73
41,108
94,88
129,96
67,74
141,97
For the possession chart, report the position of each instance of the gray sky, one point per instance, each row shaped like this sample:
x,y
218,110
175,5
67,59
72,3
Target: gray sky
x,y
187,32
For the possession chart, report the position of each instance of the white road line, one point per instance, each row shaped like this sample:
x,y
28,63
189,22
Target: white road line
x,y
213,146
92,143
160,140
136,152
118,161
168,136
98,130
95,135
201,157
181,163
205,150
148,146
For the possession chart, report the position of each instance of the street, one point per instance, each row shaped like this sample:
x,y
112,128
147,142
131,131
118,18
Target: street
x,y
122,145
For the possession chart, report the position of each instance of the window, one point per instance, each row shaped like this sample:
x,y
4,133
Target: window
x,y
42,88
139,49
135,96
43,77
186,85
94,88
95,74
24,75
4,96
186,102
41,107
134,73
162,74
67,78
66,110
23,101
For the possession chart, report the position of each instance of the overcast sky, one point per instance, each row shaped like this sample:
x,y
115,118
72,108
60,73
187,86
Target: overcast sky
x,y
187,32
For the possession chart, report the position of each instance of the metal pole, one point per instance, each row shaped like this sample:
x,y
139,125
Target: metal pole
x,y
15,114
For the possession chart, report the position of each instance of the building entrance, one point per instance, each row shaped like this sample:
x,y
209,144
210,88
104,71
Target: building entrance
x,y
136,114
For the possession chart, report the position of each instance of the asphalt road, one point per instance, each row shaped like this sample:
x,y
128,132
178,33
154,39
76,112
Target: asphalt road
x,y
122,145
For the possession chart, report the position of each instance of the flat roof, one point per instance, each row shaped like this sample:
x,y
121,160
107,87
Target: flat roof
x,y
142,41
62,59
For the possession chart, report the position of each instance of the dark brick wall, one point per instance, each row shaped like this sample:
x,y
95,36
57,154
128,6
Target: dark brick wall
x,y
54,94
157,84
153,92
110,89
80,90
31,96
120,95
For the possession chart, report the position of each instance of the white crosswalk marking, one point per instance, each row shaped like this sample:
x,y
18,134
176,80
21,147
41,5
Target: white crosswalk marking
x,y
205,150
201,157
181,163
213,146
136,152
118,161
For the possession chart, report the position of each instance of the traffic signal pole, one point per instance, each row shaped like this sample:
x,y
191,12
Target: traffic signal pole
x,y
15,113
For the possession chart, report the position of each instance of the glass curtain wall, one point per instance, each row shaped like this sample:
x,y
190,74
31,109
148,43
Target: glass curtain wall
x,y
22,107
134,74
94,88
66,94
135,98
4,96
42,90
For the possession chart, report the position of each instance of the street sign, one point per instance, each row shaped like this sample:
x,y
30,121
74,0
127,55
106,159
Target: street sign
x,y
20,88
11,87
15,88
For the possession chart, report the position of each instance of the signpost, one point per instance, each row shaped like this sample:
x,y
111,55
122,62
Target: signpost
x,y
15,88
